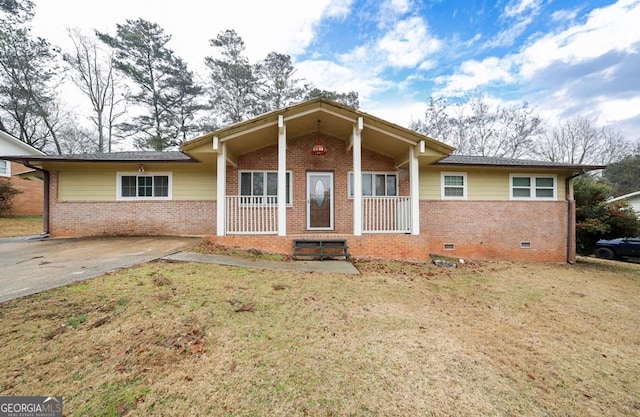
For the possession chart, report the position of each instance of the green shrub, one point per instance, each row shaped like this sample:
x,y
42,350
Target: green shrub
x,y
7,193
598,219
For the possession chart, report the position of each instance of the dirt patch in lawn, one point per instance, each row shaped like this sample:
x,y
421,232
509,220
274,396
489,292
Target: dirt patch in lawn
x,y
20,226
486,338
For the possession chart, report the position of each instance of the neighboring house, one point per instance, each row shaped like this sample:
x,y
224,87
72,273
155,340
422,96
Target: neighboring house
x,y
30,200
320,169
632,198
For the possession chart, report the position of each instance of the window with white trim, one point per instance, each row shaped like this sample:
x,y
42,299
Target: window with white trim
x,y
376,184
454,185
5,168
262,186
153,186
533,187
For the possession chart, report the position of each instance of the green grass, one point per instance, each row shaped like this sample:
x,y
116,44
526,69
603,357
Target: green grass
x,y
485,338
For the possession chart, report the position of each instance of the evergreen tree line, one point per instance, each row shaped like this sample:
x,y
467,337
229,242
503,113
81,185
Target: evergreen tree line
x,y
137,86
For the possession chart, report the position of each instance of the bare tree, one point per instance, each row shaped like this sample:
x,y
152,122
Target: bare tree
x,y
579,141
437,122
93,74
474,127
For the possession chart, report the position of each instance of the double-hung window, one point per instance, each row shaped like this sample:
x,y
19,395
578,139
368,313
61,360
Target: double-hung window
x,y
134,186
376,184
454,185
5,168
533,187
261,187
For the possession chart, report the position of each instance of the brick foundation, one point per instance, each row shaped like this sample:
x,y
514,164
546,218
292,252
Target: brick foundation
x,y
476,229
496,229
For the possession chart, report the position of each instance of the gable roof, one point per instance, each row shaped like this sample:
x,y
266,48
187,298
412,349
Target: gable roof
x,y
14,146
464,160
327,116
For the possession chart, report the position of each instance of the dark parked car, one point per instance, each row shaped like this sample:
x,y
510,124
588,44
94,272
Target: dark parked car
x,y
628,247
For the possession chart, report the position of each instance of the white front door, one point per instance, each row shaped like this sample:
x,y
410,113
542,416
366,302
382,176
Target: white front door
x,y
319,200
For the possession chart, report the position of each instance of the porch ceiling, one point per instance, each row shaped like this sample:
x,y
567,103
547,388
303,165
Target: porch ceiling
x,y
335,120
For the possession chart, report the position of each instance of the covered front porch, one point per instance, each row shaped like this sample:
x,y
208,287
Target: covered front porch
x,y
316,168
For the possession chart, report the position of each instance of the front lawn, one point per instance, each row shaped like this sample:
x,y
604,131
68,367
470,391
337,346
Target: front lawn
x,y
401,339
20,226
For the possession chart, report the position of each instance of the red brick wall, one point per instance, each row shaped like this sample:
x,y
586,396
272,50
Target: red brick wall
x,y
338,160
104,218
31,201
382,246
478,229
495,229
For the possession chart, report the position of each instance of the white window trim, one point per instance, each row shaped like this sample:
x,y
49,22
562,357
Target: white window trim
x,y
265,171
373,173
119,176
533,178
8,165
464,185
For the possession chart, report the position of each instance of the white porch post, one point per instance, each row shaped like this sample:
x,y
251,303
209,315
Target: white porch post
x,y
357,177
282,177
221,215
414,191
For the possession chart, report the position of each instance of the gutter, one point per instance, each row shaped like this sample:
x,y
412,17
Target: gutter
x,y
46,202
571,217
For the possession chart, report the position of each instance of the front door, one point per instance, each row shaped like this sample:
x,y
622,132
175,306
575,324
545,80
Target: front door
x,y
319,200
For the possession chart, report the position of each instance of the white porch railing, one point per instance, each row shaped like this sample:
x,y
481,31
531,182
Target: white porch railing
x,y
386,214
259,215
252,215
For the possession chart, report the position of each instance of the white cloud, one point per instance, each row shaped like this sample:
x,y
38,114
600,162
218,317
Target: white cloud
x,y
618,110
518,7
329,75
397,7
283,25
474,74
408,43
607,29
564,15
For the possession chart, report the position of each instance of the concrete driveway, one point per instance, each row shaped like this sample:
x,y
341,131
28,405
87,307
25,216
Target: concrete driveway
x,y
30,266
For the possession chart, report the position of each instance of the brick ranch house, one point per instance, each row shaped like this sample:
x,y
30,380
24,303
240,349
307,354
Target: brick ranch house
x,y
320,169
23,178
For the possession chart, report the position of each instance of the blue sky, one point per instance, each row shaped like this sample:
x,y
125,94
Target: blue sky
x,y
565,58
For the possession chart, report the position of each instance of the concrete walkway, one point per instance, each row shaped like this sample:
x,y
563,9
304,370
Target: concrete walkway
x,y
28,266
323,267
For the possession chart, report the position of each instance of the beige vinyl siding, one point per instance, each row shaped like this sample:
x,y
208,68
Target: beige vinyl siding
x,y
86,186
482,183
194,185
189,183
